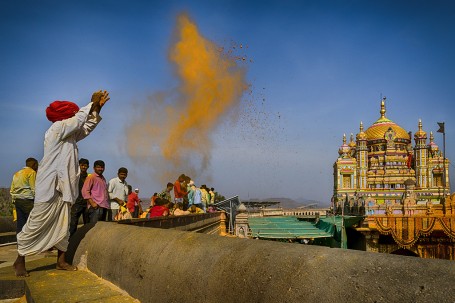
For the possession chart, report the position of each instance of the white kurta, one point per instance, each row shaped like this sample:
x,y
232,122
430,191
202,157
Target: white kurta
x,y
56,186
58,171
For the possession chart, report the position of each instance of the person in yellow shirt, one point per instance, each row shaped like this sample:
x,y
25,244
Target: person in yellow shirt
x,y
22,191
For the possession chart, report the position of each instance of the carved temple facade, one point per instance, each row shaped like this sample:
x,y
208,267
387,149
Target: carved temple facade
x,y
402,188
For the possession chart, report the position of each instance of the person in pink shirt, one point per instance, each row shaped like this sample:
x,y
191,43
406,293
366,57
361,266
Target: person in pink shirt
x,y
95,192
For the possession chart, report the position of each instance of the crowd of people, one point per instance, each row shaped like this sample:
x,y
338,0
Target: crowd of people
x,y
50,196
188,199
102,200
99,200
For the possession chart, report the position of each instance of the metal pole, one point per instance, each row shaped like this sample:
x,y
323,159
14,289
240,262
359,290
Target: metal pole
x,y
342,222
444,163
444,175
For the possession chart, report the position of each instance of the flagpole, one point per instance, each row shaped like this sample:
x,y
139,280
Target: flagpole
x,y
444,158
442,130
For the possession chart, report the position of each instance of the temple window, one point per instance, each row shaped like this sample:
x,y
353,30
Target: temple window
x,y
346,181
437,180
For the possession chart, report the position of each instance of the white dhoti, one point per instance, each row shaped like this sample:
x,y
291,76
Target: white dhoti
x,y
47,226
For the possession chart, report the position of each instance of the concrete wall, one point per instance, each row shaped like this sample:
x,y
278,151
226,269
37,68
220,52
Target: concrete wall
x,y
205,223
156,265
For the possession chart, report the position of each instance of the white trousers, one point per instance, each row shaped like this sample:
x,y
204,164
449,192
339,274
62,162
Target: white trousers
x,y
47,226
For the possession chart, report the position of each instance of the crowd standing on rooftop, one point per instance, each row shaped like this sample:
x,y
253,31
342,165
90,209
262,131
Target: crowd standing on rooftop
x,y
51,196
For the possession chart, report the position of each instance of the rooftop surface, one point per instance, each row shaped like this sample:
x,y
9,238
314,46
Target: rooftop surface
x,y
47,284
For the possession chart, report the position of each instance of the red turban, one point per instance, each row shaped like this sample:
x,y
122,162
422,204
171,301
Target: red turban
x,y
61,110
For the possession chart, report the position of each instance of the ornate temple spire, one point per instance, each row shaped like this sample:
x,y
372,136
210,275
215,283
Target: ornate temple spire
x,y
344,148
382,111
361,135
434,148
420,134
351,141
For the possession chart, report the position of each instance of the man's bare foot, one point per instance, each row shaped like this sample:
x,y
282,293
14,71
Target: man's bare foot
x,y
19,267
62,264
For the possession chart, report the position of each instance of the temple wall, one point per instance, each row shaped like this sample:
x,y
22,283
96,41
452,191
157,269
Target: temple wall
x,y
157,265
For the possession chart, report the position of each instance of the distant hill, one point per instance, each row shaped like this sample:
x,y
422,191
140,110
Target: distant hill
x,y
290,203
308,202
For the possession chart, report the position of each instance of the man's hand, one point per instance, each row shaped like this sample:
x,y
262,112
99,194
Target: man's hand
x,y
96,97
99,98
120,201
93,203
104,98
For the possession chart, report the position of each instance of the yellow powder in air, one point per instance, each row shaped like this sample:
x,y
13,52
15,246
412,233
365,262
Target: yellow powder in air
x,y
173,130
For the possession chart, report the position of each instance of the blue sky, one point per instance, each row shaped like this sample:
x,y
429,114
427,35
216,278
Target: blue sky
x,y
317,69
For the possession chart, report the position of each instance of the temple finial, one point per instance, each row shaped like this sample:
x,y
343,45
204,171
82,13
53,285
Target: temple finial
x,y
361,126
383,107
344,138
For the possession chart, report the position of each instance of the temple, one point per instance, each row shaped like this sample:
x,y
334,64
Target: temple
x,y
401,188
381,163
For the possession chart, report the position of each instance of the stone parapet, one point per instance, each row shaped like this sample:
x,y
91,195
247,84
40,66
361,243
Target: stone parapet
x,y
158,265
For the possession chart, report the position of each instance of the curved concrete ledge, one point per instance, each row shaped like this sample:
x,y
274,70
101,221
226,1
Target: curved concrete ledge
x,y
156,265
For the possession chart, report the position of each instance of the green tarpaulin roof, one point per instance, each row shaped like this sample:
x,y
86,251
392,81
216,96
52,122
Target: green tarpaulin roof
x,y
292,228
284,228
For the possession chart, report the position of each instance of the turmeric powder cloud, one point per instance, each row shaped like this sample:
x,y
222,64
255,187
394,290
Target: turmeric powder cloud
x,y
173,129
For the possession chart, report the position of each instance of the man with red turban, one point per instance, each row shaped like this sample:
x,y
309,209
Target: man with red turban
x,y
56,186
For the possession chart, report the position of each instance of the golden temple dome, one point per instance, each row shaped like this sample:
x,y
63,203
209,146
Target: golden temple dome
x,y
382,125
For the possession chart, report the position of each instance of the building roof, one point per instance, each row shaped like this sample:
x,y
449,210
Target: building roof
x,y
382,125
284,228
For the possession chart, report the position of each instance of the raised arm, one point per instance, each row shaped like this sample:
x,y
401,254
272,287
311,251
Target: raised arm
x,y
98,100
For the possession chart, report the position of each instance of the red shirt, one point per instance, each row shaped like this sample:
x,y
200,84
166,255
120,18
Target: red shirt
x,y
179,192
158,211
133,200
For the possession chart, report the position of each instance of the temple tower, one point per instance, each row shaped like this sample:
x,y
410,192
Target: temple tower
x,y
345,173
421,156
362,158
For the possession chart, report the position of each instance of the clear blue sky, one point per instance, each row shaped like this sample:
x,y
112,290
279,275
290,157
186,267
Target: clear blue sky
x,y
318,68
